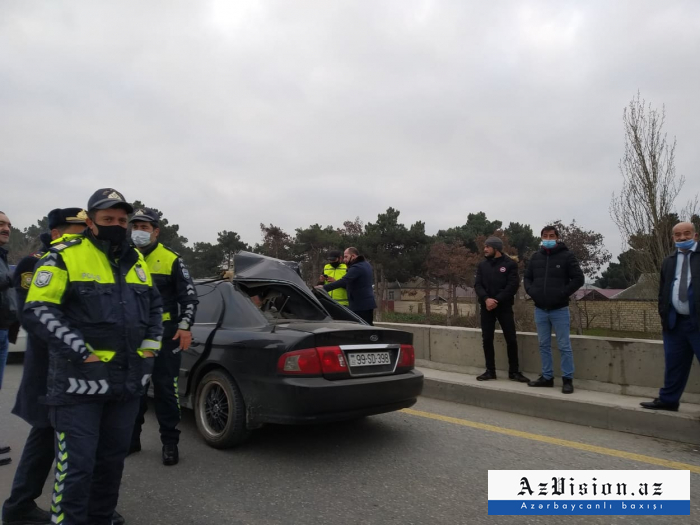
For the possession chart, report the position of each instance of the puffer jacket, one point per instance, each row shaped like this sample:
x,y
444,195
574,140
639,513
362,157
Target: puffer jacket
x,y
83,300
552,276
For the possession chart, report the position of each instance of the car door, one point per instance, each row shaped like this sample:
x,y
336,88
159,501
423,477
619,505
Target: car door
x,y
209,314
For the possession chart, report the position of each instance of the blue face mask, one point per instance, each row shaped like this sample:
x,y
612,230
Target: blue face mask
x,y
549,244
685,245
140,238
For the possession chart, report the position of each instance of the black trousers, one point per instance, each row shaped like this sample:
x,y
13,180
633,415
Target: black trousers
x,y
166,370
33,469
91,443
504,316
366,315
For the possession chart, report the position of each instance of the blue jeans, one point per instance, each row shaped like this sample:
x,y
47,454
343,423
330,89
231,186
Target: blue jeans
x,y
4,347
560,320
680,345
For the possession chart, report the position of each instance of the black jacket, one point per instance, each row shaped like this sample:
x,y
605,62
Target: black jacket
x,y
552,276
358,283
8,308
668,276
497,278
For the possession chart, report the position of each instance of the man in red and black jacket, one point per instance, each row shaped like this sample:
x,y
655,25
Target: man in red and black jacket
x,y
496,284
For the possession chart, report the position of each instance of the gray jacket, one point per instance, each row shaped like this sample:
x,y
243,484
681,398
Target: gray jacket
x,y
8,306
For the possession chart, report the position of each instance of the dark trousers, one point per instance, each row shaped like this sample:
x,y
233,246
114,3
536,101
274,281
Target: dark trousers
x,y
33,469
366,315
504,316
166,370
91,442
680,345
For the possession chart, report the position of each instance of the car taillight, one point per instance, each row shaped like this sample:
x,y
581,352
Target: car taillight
x,y
407,359
332,359
313,361
300,362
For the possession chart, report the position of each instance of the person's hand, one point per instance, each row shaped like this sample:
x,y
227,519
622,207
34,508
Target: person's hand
x,y
330,279
318,287
148,353
91,359
185,337
491,304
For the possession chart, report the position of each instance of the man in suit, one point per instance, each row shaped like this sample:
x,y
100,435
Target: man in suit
x,y
679,308
358,283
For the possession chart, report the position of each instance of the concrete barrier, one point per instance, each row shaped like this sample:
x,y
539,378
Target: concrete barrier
x,y
614,365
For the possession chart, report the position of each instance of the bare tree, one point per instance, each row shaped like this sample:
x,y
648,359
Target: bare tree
x,y
644,209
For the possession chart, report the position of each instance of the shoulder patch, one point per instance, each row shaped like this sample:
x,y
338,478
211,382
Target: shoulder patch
x,y
26,280
66,244
185,271
43,278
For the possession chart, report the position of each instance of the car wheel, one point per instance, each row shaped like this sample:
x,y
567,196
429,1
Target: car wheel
x,y
220,410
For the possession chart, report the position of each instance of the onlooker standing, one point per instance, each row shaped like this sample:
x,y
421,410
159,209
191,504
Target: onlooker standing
x,y
496,284
358,283
8,312
679,308
553,275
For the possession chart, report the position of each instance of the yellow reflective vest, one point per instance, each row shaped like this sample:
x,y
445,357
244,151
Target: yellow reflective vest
x,y
340,295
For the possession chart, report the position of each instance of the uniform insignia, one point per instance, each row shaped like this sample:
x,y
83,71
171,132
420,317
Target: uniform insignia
x,y
185,271
67,244
140,212
141,274
26,279
59,246
82,215
43,278
115,195
503,269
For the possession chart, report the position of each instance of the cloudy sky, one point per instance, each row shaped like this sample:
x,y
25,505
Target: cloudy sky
x,y
228,114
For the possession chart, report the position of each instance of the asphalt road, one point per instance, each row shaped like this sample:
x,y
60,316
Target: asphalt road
x,y
405,467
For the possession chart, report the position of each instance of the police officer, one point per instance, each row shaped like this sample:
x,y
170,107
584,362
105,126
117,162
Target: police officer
x,y
179,306
334,271
93,302
38,455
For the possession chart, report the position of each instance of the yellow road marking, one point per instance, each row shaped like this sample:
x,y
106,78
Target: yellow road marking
x,y
555,441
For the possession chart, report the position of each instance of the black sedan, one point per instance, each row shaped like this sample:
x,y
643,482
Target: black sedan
x,y
267,349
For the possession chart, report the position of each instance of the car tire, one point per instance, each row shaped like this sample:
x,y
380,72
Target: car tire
x,y
220,410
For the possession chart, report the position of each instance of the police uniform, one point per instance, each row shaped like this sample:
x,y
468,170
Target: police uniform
x,y
171,277
94,296
340,295
38,454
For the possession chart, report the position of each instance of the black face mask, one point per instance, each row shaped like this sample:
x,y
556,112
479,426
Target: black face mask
x,y
115,235
335,264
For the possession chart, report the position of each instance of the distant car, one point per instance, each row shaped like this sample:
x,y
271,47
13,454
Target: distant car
x,y
267,349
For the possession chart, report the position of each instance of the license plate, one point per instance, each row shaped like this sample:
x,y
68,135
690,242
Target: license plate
x,y
369,359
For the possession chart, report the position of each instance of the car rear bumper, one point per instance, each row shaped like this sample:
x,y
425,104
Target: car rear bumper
x,y
295,400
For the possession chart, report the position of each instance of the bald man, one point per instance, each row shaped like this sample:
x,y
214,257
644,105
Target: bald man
x,y
679,307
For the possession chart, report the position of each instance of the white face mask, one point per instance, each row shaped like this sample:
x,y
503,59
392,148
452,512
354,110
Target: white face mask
x,y
140,238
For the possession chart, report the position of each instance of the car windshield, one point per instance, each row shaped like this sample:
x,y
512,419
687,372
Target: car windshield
x,y
278,301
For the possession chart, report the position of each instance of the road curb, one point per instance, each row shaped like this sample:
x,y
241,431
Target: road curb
x,y
604,411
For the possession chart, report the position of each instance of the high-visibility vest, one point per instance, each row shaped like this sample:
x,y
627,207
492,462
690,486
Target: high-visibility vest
x,y
340,295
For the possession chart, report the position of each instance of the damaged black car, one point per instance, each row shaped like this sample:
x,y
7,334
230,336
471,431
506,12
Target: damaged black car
x,y
268,349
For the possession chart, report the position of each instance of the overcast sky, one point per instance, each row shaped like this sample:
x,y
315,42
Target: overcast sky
x,y
227,114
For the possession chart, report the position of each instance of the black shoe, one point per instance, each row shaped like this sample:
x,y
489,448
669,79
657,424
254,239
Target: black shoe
x,y
486,376
657,404
517,376
567,386
541,381
36,516
170,455
118,519
134,447
4,449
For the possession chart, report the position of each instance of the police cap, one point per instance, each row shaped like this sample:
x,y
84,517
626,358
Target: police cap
x,y
333,255
108,198
145,215
61,216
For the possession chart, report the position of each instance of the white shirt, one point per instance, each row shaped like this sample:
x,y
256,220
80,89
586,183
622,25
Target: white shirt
x,y
682,308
